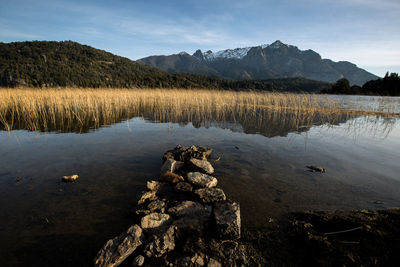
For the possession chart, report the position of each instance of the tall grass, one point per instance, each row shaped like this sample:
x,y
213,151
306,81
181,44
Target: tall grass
x,y
71,109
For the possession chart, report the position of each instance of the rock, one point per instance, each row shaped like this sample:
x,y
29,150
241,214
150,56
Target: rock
x,y
171,177
316,168
188,208
201,179
172,165
161,242
209,195
168,155
184,187
150,195
195,260
227,219
156,205
213,263
201,166
153,185
71,178
154,220
116,250
138,261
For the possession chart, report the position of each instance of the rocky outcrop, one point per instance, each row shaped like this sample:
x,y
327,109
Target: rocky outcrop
x,y
116,250
183,214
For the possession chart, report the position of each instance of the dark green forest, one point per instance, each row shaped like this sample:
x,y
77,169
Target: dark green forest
x,y
387,86
70,64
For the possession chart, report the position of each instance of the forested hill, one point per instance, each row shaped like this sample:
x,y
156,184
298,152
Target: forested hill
x,y
46,64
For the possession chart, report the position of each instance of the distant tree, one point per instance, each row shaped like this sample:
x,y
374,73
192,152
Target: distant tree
x,y
342,86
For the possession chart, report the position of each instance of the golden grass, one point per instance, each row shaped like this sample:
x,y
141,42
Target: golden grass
x,y
71,109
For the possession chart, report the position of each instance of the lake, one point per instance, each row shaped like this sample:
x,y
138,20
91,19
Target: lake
x,y
262,165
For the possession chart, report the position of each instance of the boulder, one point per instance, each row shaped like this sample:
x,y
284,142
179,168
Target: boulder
x,y
154,220
201,179
201,166
172,165
156,205
161,242
153,185
210,195
227,219
116,250
184,154
188,208
184,187
171,177
149,195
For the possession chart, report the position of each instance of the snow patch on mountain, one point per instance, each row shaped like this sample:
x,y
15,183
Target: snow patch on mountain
x,y
237,53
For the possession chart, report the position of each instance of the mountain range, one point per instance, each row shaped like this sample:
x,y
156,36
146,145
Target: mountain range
x,y
49,64
276,60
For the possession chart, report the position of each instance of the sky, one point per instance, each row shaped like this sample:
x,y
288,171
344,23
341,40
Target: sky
x,y
364,32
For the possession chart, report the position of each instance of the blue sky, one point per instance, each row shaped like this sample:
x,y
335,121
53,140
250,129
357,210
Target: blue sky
x,y
365,32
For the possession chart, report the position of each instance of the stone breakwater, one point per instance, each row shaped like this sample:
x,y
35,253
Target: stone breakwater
x,y
183,219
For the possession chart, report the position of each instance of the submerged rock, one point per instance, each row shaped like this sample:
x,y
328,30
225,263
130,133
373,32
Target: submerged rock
x,y
172,165
201,179
201,166
116,250
195,260
71,178
227,219
213,263
154,220
149,195
161,242
171,177
210,195
184,187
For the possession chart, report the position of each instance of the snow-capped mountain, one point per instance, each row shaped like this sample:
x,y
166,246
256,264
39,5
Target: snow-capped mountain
x,y
275,60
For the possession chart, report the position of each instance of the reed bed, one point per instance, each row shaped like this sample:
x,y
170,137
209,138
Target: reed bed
x,y
72,109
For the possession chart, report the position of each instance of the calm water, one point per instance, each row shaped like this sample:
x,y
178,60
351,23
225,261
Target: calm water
x,y
46,222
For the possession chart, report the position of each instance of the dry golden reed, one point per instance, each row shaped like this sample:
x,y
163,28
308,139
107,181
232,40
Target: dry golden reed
x,y
76,109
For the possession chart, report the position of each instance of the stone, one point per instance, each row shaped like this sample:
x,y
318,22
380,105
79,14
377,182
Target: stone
x,y
195,260
171,177
201,179
154,220
153,185
71,178
142,211
156,205
210,195
213,263
149,195
184,187
188,208
201,166
316,169
168,155
116,250
138,261
172,165
161,242
227,219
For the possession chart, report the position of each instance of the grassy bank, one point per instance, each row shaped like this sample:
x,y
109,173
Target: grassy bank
x,y
71,108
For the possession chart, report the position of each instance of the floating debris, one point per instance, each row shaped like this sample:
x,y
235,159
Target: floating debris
x,y
316,168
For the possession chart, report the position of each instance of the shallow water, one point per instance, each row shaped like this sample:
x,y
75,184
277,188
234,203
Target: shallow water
x,y
46,222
